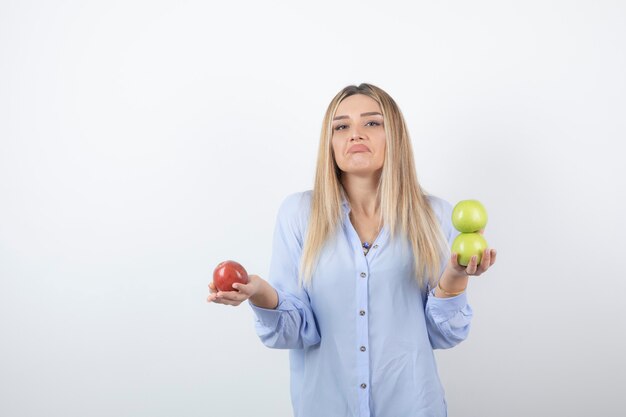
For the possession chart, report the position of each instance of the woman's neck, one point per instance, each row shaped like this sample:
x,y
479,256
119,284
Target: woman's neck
x,y
361,193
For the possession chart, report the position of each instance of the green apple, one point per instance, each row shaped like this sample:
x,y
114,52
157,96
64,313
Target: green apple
x,y
468,245
469,216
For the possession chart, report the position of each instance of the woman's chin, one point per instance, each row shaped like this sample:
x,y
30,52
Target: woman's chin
x,y
362,171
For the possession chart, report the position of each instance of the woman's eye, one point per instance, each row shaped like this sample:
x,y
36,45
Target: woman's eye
x,y
340,127
375,123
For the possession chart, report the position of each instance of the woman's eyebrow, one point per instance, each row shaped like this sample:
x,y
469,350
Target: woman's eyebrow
x,y
369,113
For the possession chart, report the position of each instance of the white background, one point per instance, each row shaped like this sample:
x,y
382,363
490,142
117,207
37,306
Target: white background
x,y
143,142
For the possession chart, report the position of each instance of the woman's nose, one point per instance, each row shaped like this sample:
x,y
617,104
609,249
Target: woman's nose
x,y
355,133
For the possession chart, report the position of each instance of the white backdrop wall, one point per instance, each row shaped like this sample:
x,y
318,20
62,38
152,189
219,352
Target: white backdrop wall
x,y
143,142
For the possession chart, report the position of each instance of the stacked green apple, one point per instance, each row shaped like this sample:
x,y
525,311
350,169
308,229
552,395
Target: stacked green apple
x,y
470,218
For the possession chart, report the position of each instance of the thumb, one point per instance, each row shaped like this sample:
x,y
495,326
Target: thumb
x,y
249,288
242,288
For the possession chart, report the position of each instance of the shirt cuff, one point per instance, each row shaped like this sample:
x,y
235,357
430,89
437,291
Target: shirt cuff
x,y
448,306
267,316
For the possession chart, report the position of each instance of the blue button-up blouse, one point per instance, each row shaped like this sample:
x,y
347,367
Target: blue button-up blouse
x,y
361,339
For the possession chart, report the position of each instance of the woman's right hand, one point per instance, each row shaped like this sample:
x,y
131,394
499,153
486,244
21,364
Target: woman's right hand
x,y
242,293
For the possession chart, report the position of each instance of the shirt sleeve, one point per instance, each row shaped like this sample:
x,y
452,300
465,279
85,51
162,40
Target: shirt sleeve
x,y
447,319
292,324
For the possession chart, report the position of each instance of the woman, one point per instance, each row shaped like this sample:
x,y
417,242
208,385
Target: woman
x,y
362,286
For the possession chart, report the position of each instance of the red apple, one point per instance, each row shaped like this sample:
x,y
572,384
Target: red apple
x,y
228,272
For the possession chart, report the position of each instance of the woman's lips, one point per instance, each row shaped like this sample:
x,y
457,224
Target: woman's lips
x,y
358,148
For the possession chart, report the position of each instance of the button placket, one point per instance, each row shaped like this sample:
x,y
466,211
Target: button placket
x,y
362,340
362,278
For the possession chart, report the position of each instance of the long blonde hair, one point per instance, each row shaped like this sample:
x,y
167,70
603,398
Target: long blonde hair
x,y
404,205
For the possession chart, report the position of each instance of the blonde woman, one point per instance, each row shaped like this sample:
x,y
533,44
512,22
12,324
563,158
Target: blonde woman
x,y
362,286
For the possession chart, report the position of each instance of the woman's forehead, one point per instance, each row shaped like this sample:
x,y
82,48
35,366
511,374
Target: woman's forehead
x,y
357,103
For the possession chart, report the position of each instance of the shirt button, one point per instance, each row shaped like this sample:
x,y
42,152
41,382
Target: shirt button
x,y
363,386
362,312
375,247
362,348
363,274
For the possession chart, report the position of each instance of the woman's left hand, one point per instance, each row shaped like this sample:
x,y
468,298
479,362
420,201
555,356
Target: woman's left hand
x,y
455,277
473,268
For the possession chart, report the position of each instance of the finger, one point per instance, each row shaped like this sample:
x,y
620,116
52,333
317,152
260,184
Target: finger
x,y
454,261
228,302
221,297
245,288
471,266
212,287
231,296
485,261
242,288
211,298
493,257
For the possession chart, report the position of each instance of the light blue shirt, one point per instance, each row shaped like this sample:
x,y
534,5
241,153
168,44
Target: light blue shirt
x,y
361,339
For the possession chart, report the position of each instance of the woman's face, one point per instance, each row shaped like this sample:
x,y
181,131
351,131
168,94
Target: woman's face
x,y
359,135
